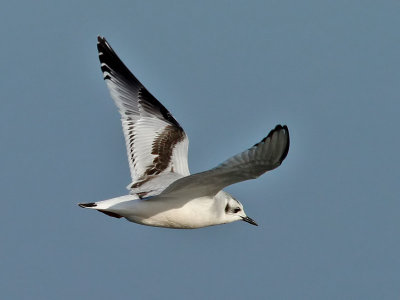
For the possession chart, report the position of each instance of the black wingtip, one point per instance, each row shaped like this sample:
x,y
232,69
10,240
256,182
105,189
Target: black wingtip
x,y
86,205
286,151
101,39
278,128
103,45
110,62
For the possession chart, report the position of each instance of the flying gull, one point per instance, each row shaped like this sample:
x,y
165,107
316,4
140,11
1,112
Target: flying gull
x,y
163,193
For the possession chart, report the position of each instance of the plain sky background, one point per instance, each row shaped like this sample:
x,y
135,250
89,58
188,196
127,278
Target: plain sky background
x,y
228,71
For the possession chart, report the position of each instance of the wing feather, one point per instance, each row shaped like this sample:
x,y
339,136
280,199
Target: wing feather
x,y
156,143
264,156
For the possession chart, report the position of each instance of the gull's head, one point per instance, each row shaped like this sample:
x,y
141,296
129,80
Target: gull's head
x,y
234,211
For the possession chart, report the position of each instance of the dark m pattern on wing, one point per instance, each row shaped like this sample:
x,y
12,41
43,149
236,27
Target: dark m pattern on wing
x,y
148,101
163,145
162,148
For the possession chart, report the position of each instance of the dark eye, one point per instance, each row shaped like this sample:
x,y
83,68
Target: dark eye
x,y
236,210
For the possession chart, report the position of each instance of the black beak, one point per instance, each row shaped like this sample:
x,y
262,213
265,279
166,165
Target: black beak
x,y
249,220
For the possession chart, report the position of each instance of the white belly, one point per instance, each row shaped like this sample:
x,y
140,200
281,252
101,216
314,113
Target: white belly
x,y
173,213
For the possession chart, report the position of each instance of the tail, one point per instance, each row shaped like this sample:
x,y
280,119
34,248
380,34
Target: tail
x,y
93,205
87,205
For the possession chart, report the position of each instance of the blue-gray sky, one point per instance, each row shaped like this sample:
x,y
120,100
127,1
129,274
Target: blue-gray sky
x,y
229,71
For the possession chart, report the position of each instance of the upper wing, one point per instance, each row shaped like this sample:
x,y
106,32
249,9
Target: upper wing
x,y
266,155
155,142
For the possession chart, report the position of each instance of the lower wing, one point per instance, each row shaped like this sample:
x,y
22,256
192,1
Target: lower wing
x,y
264,156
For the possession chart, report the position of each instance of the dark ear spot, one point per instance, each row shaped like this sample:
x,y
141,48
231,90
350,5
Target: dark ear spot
x,y
227,208
231,210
